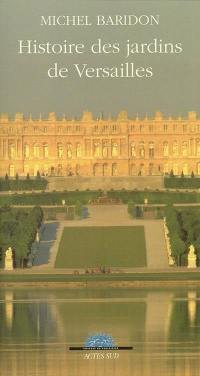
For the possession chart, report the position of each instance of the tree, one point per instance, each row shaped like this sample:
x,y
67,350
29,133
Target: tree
x,y
171,174
131,206
38,175
182,174
178,248
192,174
27,176
17,176
6,177
79,208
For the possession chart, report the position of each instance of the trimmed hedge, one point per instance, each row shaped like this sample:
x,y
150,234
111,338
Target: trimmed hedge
x,y
182,182
71,198
51,198
157,197
23,184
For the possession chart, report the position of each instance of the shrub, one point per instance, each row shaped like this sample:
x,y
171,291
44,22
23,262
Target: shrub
x,y
182,182
22,184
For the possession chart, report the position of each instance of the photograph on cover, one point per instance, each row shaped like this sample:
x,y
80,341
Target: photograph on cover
x,y
99,188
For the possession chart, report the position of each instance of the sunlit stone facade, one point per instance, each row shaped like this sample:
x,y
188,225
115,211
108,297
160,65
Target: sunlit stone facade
x,y
100,147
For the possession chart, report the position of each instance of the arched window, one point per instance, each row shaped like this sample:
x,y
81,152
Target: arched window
x,y
69,151
77,169
185,169
12,170
36,151
165,149
175,149
114,169
12,151
166,168
97,169
185,148
36,170
78,150
105,149
151,149
132,148
175,169
198,168
60,150
26,151
151,167
59,170
105,169
141,149
26,169
96,149
114,149
133,169
45,150
198,148
141,169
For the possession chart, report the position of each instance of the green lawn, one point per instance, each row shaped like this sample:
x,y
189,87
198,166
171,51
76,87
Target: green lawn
x,y
85,247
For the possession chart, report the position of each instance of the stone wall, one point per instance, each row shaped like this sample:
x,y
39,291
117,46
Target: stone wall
x,y
105,183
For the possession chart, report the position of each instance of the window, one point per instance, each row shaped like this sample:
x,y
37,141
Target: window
x,y
175,169
185,148
114,169
133,150
114,149
105,148
166,168
105,128
198,148
151,149
185,169
141,149
96,149
60,150
36,151
184,128
165,149
78,150
12,151
69,151
26,151
45,150
175,149
165,128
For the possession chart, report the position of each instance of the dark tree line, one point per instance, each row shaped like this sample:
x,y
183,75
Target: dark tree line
x,y
18,230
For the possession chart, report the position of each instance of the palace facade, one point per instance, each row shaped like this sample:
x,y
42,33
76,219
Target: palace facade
x,y
99,147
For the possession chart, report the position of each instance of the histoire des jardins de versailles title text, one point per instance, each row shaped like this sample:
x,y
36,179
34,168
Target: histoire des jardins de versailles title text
x,y
126,50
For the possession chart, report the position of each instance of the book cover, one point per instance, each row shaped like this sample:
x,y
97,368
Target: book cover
x,y
99,187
